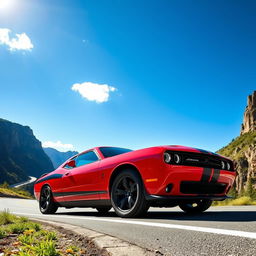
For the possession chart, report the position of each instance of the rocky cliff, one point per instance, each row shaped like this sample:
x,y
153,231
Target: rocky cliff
x,y
21,154
58,157
249,123
243,150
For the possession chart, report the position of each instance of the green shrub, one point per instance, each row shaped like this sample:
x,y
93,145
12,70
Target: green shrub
x,y
27,239
23,219
51,236
20,227
45,248
2,233
21,253
7,218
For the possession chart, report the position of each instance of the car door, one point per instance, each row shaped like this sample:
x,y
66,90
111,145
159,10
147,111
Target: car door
x,y
82,181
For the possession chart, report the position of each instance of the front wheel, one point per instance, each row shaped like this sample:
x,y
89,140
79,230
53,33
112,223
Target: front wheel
x,y
127,195
46,203
195,206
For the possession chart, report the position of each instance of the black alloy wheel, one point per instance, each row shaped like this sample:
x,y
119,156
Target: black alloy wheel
x,y
195,206
127,195
46,203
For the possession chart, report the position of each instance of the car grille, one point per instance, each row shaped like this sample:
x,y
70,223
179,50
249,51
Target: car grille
x,y
201,160
195,187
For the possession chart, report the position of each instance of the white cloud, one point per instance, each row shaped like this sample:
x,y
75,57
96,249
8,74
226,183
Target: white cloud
x,y
58,145
20,42
94,92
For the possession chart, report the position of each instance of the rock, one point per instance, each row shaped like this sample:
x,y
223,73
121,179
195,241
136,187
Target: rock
x,y
249,122
21,153
243,149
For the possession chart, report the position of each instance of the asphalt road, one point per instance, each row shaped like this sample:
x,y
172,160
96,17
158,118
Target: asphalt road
x,y
219,231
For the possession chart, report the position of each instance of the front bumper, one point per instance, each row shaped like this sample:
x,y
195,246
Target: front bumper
x,y
190,181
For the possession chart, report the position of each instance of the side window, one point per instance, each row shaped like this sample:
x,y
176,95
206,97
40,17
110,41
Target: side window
x,y
86,158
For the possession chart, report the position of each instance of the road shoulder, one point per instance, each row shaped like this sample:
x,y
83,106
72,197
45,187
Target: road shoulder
x,y
114,246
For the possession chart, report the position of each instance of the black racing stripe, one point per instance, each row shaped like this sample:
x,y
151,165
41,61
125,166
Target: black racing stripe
x,y
50,177
206,174
79,193
202,150
206,151
215,176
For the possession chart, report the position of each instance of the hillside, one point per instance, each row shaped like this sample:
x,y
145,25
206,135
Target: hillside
x,y
243,150
58,157
237,147
21,154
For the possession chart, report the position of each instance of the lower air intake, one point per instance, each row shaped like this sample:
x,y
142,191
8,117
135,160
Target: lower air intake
x,y
195,187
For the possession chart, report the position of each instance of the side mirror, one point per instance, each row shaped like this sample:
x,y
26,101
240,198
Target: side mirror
x,y
71,163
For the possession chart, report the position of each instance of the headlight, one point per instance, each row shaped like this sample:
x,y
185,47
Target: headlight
x,y
228,166
177,159
167,157
222,165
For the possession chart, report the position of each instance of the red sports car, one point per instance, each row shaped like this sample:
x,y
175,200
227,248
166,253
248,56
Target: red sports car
x,y
132,181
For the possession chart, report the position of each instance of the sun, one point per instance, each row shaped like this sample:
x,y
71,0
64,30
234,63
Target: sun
x,y
5,4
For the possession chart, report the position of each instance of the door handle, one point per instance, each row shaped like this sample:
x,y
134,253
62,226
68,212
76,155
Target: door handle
x,y
67,173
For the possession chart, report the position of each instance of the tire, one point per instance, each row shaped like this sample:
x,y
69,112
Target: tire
x,y
103,209
46,203
195,206
127,195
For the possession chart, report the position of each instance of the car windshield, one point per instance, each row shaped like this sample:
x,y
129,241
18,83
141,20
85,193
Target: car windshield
x,y
109,151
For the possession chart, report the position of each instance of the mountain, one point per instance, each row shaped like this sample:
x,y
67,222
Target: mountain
x,y
243,150
21,153
58,157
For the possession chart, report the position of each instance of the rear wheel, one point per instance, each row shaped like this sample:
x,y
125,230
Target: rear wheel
x,y
195,206
103,209
127,195
46,203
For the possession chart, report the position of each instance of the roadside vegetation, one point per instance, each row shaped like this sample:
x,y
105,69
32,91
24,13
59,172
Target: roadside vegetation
x,y
241,142
22,237
236,151
247,197
244,200
7,191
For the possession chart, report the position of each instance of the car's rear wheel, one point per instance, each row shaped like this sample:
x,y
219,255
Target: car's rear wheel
x,y
103,209
46,203
127,195
195,206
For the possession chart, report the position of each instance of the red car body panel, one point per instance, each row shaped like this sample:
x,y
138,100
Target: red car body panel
x,y
92,181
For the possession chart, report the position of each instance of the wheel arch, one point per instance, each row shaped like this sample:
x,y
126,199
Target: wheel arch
x,y
120,169
44,185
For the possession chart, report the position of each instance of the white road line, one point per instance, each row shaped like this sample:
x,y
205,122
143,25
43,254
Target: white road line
x,y
159,225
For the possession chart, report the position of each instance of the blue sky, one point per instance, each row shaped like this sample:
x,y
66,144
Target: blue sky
x,y
180,71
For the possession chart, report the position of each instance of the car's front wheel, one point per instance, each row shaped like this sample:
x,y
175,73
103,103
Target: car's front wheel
x,y
196,206
127,195
46,203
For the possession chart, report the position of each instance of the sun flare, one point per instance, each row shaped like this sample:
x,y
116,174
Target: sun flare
x,y
5,4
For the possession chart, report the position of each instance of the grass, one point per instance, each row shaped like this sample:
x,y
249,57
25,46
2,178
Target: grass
x,y
6,190
31,239
18,228
2,233
244,200
7,218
